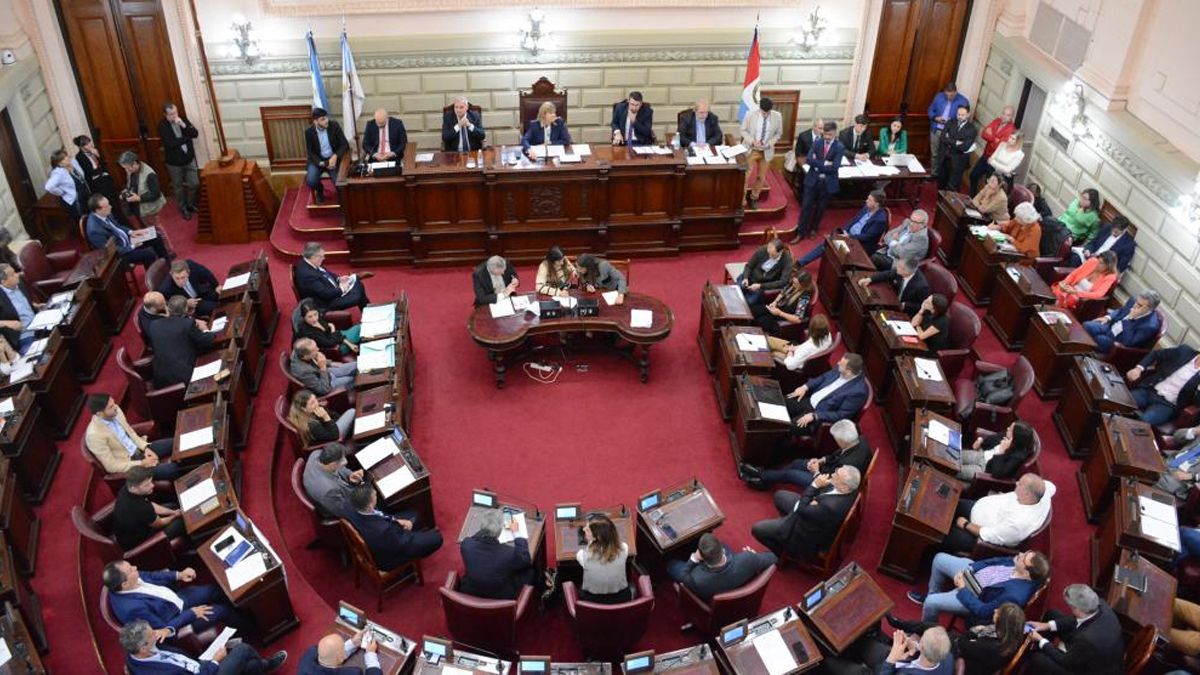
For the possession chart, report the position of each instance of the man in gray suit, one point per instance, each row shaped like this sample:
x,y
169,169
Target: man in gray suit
x,y
313,370
909,239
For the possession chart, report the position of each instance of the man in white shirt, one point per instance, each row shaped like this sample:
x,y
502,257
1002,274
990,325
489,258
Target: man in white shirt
x,y
1164,382
1005,519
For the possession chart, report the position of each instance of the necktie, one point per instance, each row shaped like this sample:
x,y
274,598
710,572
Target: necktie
x,y
628,131
824,149
383,144
119,233
762,130
464,140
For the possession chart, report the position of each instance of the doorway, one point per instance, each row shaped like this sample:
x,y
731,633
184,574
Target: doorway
x,y
16,171
1028,117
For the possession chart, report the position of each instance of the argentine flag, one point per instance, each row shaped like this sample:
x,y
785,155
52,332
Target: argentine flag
x,y
314,71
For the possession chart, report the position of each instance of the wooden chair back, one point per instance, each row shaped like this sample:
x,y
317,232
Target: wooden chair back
x,y
541,92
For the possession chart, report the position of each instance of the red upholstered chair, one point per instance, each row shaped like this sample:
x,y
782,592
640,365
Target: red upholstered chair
x,y
985,483
1014,664
964,330
45,272
489,624
156,273
798,332
935,243
364,565
155,553
1038,541
165,405
606,632
940,279
114,481
826,562
707,618
816,364
329,533
135,384
865,482
1139,649
1017,195
185,638
1125,358
985,414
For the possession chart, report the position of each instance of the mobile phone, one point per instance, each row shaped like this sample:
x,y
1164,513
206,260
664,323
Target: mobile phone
x,y
1028,628
224,542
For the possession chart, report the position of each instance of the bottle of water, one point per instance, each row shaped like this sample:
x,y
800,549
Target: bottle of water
x,y
479,158
675,142
503,159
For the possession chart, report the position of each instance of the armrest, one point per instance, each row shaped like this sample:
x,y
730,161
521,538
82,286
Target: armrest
x,y
153,554
985,484
63,260
570,597
645,587
340,318
146,429
953,360
988,367
451,581
985,550
523,602
338,399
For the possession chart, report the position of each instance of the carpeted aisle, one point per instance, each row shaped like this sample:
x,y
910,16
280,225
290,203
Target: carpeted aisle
x,y
597,437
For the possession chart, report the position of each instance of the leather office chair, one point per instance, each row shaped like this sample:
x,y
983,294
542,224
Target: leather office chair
x,y
940,279
985,414
1125,358
824,563
364,565
186,638
288,434
964,330
339,399
329,533
540,92
136,384
114,481
707,618
156,273
165,405
985,483
45,272
935,244
1017,195
1038,541
1046,266
606,632
490,624
339,317
864,482
155,553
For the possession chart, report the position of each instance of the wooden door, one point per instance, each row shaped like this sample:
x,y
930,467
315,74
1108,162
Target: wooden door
x,y
16,172
123,62
917,52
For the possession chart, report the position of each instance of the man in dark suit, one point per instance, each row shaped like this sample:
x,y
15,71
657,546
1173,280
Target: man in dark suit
x,y
836,395
1116,237
178,136
809,521
384,138
176,340
910,284
1164,382
327,656
154,307
494,570
769,269
866,227
167,599
462,128
821,181
857,139
393,539
144,656
804,143
1090,634
325,146
101,225
714,568
494,279
326,289
1135,324
195,282
699,126
633,121
17,309
852,450
954,148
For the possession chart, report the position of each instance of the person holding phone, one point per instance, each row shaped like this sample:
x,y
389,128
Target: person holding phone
x,y
329,655
603,562
496,570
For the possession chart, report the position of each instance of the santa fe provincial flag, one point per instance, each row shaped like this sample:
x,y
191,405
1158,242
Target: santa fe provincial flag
x,y
750,85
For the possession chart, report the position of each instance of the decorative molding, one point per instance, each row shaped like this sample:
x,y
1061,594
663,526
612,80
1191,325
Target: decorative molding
x,y
342,7
1133,165
299,64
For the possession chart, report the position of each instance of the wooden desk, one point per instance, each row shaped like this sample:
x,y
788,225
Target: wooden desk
x,y
83,335
15,634
241,329
851,603
1154,607
754,438
696,660
688,509
198,417
1050,348
232,389
103,270
369,402
1125,449
262,293
396,652
400,376
1019,291
17,521
535,526
982,260
732,362
911,394
614,203
924,449
265,599
842,255
15,589
1094,388
882,346
56,389
25,439
854,189
1121,528
723,305
387,388
858,302
416,496
924,514
950,220
464,658
742,658
566,539
506,339
220,509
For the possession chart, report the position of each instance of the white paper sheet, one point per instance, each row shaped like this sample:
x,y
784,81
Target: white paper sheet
x,y
715,160
236,282
1052,318
197,494
1162,532
376,452
641,318
734,150
246,570
20,371
218,324
973,213
501,308
1151,508
915,166
695,160
539,151
139,237
507,535
379,313
927,369
46,319
6,406
370,422
374,329
61,298
581,149
773,411
451,670
36,348
902,328
938,432
377,354
570,158
424,157
218,644
195,439
610,297
774,652
395,481
5,652
521,302
206,371
567,301
748,342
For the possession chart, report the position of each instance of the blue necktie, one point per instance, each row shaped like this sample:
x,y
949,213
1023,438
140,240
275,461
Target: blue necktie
x,y
119,233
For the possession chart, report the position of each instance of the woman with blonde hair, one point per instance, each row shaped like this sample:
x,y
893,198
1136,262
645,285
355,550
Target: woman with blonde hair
x,y
603,562
793,356
547,129
1090,281
314,423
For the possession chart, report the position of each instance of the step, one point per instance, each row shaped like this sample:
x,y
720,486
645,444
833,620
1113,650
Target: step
x,y
288,242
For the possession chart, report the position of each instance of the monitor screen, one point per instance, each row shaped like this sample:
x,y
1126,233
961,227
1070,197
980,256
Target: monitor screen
x,y
814,597
566,512
483,499
734,634
350,616
639,663
535,665
241,521
434,648
649,501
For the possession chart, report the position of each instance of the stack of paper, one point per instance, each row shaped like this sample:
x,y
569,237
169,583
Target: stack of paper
x,y
570,158
641,318
663,150
695,160
775,654
371,422
236,282
749,342
61,299
46,319
715,160
218,324
734,150
902,328
378,320
643,150
246,570
424,157
195,439
1159,521
915,166
773,411
197,494
395,481
927,369
203,372
378,354
1052,318
501,308
376,452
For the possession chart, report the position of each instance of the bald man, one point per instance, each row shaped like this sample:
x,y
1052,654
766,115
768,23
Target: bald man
x,y
385,138
154,307
327,657
462,128
699,126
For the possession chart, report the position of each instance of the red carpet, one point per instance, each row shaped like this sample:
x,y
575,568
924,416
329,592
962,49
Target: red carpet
x,y
596,437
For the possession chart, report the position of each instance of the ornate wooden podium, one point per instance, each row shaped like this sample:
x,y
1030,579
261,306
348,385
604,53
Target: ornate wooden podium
x,y
236,202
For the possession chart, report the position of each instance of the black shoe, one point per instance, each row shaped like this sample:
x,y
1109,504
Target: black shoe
x,y
748,471
276,660
753,204
187,215
893,620
319,197
915,597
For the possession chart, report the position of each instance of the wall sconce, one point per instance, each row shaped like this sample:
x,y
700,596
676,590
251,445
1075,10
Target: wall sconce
x,y
244,46
1187,210
535,38
810,34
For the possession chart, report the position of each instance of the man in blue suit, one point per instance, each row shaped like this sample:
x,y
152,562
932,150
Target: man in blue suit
x,y
1116,237
494,570
1135,324
327,656
143,656
101,225
633,121
867,226
837,395
462,128
326,289
393,539
821,181
1166,381
942,110
1005,579
163,600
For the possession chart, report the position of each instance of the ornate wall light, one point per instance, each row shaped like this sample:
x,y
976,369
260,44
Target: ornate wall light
x,y
810,30
535,37
244,46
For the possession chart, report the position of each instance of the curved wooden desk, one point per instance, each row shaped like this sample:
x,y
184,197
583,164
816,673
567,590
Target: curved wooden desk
x,y
508,338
